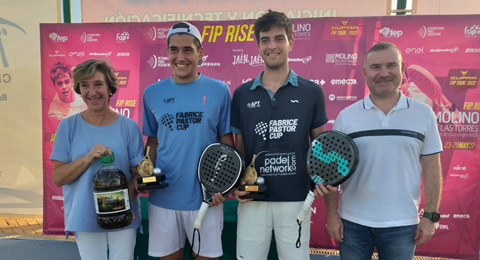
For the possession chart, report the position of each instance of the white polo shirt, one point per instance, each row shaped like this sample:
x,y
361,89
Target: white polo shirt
x,y
384,190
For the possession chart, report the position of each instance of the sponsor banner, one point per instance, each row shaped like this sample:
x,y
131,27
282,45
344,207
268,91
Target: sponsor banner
x,y
328,51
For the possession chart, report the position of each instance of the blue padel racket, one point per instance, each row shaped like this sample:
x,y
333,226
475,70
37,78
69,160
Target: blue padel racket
x,y
331,160
219,170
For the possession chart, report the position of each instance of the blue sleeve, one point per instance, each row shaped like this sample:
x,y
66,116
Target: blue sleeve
x,y
224,123
62,146
135,147
150,125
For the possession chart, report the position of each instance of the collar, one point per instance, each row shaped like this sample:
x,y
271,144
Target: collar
x,y
402,103
292,79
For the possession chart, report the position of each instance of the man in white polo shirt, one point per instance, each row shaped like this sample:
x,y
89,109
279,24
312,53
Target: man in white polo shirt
x,y
398,140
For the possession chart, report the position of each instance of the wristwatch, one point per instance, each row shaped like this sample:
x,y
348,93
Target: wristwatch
x,y
433,216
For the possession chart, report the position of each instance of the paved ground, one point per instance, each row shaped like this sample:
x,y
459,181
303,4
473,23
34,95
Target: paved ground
x,y
21,238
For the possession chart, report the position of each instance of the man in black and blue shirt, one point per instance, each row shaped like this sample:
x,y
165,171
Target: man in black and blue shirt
x,y
274,116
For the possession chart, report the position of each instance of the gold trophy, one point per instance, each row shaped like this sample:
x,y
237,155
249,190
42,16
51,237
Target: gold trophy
x,y
253,183
150,176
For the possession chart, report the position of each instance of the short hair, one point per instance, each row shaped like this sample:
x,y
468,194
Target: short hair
x,y
86,69
273,19
58,69
379,46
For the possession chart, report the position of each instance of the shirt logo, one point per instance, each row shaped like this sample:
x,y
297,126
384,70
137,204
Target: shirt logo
x,y
254,104
294,101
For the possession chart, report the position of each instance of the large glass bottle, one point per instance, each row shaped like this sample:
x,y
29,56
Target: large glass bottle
x,y
110,193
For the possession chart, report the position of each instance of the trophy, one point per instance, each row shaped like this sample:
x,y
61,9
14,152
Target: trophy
x,y
253,183
151,177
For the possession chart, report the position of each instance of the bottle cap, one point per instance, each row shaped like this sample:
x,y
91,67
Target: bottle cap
x,y
107,159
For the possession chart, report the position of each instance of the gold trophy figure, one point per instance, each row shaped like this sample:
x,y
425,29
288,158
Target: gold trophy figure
x,y
253,183
150,176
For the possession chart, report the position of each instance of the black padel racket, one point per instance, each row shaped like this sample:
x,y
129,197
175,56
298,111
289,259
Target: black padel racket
x,y
331,160
219,170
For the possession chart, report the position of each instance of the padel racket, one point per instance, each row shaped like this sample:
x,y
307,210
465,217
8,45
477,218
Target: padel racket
x,y
219,170
331,160
426,82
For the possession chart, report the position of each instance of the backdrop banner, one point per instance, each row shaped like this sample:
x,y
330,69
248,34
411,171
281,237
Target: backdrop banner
x,y
443,69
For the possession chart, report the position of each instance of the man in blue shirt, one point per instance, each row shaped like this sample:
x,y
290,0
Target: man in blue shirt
x,y
182,115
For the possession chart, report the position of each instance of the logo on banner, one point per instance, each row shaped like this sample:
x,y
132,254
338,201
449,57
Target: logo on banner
x,y
343,82
209,64
344,29
472,31
154,33
341,58
57,37
390,33
302,31
414,50
302,60
472,50
450,50
100,54
425,31
56,53
122,37
77,54
89,37
159,61
333,97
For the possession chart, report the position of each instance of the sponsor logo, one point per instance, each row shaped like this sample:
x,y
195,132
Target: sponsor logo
x,y
343,81
451,50
182,120
333,97
472,50
56,54
279,164
254,104
159,62
294,101
209,64
123,54
390,33
302,31
275,129
155,33
169,100
472,31
302,60
414,50
430,31
77,54
57,37
344,29
320,82
89,37
122,37
341,58
100,54
461,216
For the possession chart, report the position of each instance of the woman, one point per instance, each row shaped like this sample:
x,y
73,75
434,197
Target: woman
x,y
80,140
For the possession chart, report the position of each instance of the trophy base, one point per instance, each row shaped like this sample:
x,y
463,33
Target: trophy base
x,y
257,192
152,182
